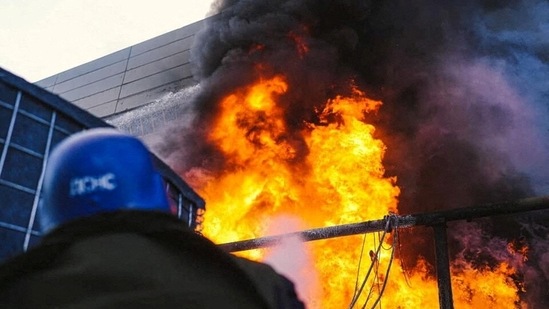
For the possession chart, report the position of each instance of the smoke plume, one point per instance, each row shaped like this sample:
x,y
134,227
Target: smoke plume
x,y
464,86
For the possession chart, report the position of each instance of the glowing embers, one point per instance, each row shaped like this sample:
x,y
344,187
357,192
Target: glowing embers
x,y
299,40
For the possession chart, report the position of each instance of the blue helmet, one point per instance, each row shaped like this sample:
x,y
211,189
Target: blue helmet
x,y
99,170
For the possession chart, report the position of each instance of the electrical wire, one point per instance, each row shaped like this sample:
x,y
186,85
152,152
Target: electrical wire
x,y
393,216
376,269
357,295
388,248
359,264
384,281
355,298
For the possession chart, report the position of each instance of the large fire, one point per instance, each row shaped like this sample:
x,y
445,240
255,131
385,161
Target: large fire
x,y
342,180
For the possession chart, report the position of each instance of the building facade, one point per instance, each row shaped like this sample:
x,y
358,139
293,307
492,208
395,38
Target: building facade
x,y
36,117
129,78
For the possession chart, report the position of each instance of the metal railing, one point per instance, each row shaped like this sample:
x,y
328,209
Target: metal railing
x,y
437,220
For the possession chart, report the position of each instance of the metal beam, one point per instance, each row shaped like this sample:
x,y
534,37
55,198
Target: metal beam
x,y
443,267
437,220
400,221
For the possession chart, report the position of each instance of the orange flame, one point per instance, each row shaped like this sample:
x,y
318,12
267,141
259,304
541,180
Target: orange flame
x,y
340,181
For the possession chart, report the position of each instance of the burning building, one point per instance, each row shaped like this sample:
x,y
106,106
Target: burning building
x,y
334,112
305,114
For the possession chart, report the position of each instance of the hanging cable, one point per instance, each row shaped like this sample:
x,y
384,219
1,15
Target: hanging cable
x,y
375,260
374,283
388,248
359,264
376,280
378,299
355,298
395,219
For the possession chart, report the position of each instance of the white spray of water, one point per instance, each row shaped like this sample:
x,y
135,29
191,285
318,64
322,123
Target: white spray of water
x,y
292,258
152,122
171,107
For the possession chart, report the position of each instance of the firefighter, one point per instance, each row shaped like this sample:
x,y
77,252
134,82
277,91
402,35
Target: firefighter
x,y
112,241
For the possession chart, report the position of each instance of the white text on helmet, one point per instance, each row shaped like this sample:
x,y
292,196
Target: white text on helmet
x,y
88,184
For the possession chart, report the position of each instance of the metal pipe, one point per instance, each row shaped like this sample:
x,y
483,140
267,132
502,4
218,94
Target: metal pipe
x,y
308,235
405,221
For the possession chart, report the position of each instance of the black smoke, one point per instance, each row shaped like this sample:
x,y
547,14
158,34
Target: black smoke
x,y
464,85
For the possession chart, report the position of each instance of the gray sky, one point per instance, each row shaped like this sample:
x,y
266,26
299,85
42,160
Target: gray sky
x,y
39,38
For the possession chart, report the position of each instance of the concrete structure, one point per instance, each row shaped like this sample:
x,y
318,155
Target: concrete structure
x,y
129,78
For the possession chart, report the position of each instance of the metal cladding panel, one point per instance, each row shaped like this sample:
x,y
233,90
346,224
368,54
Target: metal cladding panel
x,y
141,98
104,109
32,122
47,82
129,78
93,88
162,52
91,77
93,65
172,36
153,81
167,62
98,99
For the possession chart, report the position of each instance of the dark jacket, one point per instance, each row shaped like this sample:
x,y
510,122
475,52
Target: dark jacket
x,y
276,289
131,260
